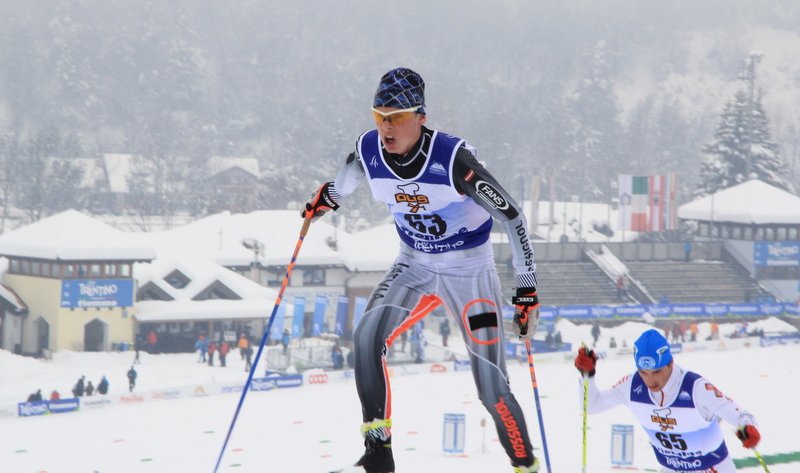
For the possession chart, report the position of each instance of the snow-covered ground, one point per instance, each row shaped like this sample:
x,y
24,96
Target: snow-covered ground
x,y
315,428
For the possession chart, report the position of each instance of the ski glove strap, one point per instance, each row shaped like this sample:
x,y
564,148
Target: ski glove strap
x,y
320,202
526,312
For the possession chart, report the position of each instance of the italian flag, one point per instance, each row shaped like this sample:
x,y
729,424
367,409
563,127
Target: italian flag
x,y
647,203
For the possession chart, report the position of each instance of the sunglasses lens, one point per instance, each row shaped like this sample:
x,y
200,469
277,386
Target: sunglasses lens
x,y
393,118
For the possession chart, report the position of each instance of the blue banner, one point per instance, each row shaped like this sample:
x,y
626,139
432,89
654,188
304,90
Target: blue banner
x,y
271,382
318,322
776,253
40,408
76,293
277,325
358,310
691,310
342,304
298,322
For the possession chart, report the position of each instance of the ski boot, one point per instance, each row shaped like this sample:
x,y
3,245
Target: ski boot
x,y
528,469
377,456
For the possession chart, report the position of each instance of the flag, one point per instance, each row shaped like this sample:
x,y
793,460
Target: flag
x,y
317,326
298,323
277,325
358,310
341,315
633,202
647,203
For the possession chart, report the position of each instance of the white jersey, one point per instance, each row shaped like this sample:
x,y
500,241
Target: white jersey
x,y
682,420
430,214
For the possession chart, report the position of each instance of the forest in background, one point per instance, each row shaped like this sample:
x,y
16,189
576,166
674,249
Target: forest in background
x,y
576,92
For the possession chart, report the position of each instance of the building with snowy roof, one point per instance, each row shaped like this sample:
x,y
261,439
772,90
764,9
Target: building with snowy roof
x,y
74,275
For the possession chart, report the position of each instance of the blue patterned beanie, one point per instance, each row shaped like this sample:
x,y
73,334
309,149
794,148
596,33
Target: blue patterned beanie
x,y
401,88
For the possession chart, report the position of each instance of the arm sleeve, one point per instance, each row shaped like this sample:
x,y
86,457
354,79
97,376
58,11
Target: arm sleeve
x,y
472,179
348,178
600,401
712,403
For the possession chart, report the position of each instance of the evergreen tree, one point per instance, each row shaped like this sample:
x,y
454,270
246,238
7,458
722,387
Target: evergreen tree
x,y
742,149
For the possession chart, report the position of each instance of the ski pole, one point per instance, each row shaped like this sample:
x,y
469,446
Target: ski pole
x,y
535,385
585,414
267,330
761,460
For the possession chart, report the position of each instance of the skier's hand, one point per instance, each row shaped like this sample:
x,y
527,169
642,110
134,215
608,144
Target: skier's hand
x,y
320,202
526,312
749,435
586,361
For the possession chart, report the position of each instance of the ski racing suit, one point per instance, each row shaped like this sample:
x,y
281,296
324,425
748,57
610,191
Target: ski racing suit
x,y
681,420
443,201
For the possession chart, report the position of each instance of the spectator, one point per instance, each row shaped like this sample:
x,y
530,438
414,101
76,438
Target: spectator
x,y
714,330
224,348
595,333
444,330
417,343
212,347
612,343
77,390
243,345
403,340
201,345
557,341
131,379
152,341
622,287
248,358
337,357
34,397
285,338
548,339
137,345
89,388
351,359
693,332
687,250
55,395
102,387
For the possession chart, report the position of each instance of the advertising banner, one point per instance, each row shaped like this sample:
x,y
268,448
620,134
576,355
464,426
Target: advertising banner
x,y
77,293
40,408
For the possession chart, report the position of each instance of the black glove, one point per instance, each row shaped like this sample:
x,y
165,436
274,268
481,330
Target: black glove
x,y
586,361
321,202
526,312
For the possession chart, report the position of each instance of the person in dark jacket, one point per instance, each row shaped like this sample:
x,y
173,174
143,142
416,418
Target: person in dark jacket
x,y
89,388
78,390
131,379
34,397
102,386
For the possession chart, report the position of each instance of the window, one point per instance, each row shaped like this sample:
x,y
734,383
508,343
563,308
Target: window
x,y
177,279
46,269
25,267
55,270
313,277
95,271
13,267
125,270
110,270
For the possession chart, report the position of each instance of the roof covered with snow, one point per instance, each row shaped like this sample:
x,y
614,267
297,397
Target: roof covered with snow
x,y
751,202
256,300
71,236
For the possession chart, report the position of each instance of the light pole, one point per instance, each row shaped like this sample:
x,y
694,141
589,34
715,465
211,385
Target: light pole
x,y
256,247
749,75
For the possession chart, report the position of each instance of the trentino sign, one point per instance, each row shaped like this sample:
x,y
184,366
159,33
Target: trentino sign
x,y
77,293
